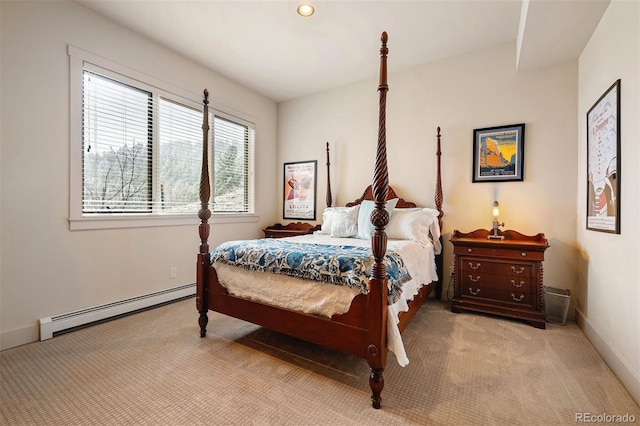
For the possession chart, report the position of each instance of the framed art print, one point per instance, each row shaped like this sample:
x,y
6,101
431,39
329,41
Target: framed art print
x,y
603,162
300,190
498,153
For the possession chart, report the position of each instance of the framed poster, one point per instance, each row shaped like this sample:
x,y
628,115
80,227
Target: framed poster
x,y
603,162
498,153
300,190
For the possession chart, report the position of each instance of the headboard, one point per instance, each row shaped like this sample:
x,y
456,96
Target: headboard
x,y
391,194
402,203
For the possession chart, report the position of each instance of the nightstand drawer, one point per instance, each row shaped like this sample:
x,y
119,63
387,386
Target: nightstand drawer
x,y
494,266
501,253
519,298
497,282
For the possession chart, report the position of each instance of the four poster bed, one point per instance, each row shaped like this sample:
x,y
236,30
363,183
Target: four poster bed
x,y
362,318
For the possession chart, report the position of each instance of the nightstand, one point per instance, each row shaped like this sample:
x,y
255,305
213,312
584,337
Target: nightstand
x,y
290,230
501,277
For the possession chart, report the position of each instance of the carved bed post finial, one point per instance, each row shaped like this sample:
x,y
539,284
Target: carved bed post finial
x,y
383,60
328,199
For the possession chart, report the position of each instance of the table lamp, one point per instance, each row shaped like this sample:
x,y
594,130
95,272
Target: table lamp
x,y
496,225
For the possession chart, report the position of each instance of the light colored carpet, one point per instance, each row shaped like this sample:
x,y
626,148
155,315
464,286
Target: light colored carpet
x,y
152,368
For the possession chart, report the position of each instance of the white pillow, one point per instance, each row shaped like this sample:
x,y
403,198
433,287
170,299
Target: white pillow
x,y
432,212
415,225
344,222
365,227
434,229
327,218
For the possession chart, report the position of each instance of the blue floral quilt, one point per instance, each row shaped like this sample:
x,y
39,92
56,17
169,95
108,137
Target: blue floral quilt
x,y
340,265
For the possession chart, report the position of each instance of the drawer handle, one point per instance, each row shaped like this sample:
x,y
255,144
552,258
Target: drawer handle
x,y
517,299
513,283
523,254
474,293
474,267
469,250
521,270
474,280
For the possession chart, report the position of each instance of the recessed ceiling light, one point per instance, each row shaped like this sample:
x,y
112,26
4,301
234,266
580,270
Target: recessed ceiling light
x,y
306,9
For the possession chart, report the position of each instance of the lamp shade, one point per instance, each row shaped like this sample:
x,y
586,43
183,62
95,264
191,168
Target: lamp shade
x,y
496,209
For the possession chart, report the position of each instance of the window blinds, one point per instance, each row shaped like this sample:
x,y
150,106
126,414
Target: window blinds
x,y
233,155
117,133
180,157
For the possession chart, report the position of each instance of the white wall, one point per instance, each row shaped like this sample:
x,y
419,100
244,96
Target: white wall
x,y
608,290
459,94
46,269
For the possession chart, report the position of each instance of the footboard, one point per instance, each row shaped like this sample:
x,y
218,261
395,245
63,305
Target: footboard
x,y
346,333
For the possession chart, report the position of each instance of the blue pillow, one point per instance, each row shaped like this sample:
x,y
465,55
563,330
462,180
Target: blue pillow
x,y
365,227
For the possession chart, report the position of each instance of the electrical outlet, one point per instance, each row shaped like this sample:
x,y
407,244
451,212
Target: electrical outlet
x,y
173,272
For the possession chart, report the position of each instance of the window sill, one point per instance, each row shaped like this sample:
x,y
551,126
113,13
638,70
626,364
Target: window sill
x,y
145,221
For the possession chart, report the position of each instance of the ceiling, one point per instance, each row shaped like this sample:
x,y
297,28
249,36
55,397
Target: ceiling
x,y
266,46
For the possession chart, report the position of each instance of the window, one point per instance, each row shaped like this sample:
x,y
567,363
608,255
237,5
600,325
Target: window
x,y
117,141
180,157
233,154
141,152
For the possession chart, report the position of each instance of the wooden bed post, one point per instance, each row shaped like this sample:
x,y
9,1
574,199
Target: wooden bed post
x,y
439,197
204,214
377,341
438,200
328,199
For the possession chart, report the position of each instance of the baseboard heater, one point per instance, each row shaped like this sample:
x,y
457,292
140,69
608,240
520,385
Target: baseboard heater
x,y
56,324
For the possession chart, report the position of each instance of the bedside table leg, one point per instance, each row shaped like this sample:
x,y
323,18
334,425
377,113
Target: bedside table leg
x,y
538,324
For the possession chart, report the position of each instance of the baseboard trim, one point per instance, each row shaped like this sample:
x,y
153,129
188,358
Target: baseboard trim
x,y
59,323
619,366
18,337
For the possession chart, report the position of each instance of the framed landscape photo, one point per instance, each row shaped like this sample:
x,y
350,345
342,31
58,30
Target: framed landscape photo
x,y
498,153
603,162
300,190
